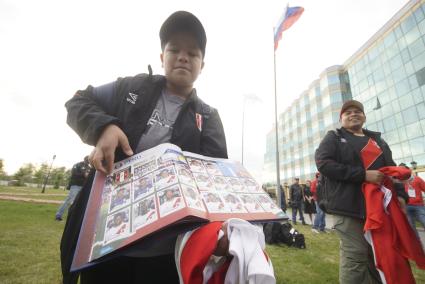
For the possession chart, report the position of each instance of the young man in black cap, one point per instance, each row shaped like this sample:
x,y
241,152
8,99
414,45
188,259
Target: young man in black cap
x,y
340,160
136,113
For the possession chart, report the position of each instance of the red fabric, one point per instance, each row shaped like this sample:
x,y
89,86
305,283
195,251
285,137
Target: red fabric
x,y
394,241
419,185
313,188
370,153
220,275
197,252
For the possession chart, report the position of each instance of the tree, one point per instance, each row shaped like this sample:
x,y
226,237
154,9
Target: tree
x,y
3,174
24,174
58,177
40,174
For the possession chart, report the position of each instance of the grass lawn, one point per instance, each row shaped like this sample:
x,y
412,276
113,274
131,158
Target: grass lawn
x,y
29,246
29,243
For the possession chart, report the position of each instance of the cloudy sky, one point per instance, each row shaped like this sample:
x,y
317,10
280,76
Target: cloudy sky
x,y
49,49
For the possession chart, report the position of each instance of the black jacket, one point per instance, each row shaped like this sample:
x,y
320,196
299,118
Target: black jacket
x,y
78,174
129,105
295,193
343,173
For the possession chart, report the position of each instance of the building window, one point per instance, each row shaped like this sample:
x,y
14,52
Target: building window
x,y
391,137
413,35
408,24
396,151
416,48
419,15
389,125
420,77
413,130
410,115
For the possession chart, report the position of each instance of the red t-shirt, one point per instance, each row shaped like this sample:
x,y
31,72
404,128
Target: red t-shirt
x,y
313,189
415,194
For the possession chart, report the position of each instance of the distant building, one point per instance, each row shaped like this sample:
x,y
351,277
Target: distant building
x,y
387,74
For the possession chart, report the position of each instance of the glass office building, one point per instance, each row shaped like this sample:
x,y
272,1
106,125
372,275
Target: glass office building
x,y
387,74
304,123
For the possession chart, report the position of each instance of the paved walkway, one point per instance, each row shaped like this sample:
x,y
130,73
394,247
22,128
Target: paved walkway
x,y
14,198
31,194
330,223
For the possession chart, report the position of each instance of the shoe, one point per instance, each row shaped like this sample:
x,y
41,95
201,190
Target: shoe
x,y
304,223
325,231
315,231
294,222
58,218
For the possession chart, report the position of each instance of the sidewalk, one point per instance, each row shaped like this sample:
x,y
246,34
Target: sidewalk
x,y
13,198
330,223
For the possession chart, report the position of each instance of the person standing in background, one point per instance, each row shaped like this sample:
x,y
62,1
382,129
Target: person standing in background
x,y
319,223
414,187
309,204
79,174
296,200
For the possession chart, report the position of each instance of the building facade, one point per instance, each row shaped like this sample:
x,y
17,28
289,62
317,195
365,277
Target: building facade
x,y
387,74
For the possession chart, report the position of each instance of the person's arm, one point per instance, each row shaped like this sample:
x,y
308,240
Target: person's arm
x,y
213,140
421,184
403,197
91,113
91,110
327,164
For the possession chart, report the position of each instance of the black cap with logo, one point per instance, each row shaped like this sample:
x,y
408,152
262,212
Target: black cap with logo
x,y
182,21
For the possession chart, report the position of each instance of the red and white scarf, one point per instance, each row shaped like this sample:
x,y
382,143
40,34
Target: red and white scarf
x,y
249,263
386,228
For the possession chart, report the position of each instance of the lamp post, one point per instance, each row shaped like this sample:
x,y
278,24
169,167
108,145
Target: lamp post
x,y
252,98
414,166
48,174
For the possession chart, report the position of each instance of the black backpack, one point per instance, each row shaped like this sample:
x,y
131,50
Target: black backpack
x,y
272,232
277,233
298,239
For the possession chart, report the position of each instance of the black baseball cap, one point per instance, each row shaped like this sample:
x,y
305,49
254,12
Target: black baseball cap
x,y
183,21
403,165
351,103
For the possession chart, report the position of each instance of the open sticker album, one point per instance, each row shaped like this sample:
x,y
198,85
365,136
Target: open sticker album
x,y
165,187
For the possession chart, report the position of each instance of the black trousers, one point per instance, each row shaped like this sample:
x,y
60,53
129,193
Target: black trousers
x,y
123,270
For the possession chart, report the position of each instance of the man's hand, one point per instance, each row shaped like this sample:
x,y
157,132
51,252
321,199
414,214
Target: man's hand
x,y
374,177
102,156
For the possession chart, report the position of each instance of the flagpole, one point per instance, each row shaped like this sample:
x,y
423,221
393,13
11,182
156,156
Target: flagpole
x,y
279,194
288,18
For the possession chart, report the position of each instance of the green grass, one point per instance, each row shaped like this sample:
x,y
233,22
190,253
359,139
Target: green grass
x,y
318,263
29,248
29,243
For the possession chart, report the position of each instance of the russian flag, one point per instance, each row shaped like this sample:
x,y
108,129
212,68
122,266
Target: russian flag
x,y
288,18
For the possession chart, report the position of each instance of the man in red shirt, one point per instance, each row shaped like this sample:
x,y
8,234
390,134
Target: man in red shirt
x,y
414,187
319,224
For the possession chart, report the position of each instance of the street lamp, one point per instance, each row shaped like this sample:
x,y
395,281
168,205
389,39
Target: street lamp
x,y
48,174
252,98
